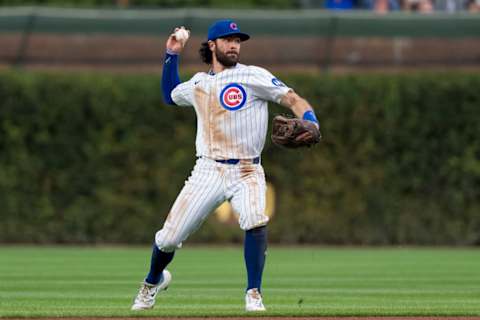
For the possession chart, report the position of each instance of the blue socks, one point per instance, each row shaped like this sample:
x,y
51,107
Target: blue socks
x,y
159,261
255,248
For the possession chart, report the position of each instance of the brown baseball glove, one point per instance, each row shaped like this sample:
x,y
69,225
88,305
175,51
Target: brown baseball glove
x,y
294,133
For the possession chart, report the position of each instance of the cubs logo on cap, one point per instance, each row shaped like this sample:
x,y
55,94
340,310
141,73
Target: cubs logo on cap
x,y
225,28
233,97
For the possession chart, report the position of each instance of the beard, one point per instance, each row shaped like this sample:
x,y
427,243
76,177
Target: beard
x,y
225,59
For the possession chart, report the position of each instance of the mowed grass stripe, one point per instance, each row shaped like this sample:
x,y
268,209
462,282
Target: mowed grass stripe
x,y
311,294
34,291
82,281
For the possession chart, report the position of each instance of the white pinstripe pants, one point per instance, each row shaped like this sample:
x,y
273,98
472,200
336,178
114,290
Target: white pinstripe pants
x,y
209,185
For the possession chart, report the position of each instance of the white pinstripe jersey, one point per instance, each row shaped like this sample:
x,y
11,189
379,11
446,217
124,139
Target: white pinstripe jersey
x,y
232,110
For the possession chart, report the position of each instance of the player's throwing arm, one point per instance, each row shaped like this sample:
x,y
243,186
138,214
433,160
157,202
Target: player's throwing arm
x,y
230,101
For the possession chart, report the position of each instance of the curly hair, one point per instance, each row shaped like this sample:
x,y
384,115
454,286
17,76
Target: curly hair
x,y
205,53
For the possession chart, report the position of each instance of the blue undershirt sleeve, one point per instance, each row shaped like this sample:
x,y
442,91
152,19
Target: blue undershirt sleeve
x,y
170,77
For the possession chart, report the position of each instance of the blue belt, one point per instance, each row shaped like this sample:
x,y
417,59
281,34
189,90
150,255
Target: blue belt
x,y
236,161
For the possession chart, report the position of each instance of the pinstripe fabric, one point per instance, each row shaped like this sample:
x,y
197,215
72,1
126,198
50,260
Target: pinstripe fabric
x,y
232,122
225,134
210,184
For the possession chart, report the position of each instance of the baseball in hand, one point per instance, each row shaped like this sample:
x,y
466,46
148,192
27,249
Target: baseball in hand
x,y
182,35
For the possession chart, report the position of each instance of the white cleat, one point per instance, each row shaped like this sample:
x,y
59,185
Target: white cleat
x,y
253,301
146,295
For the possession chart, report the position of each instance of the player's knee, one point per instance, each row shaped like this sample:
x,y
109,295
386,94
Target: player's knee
x,y
166,243
247,224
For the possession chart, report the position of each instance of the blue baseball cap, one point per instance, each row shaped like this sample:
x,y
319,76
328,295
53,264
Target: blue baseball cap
x,y
225,28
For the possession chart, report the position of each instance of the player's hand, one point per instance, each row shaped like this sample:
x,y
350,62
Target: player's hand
x,y
174,44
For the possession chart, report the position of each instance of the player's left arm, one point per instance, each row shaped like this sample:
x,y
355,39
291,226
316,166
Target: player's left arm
x,y
267,87
299,106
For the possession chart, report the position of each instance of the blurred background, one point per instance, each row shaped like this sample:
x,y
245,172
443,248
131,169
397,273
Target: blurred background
x,y
89,153
312,35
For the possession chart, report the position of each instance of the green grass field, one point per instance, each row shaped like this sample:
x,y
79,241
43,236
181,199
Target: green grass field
x,y
314,281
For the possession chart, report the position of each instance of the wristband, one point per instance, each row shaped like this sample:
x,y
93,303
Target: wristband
x,y
171,52
310,116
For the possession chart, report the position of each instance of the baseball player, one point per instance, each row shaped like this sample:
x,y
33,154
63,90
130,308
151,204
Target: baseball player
x,y
230,101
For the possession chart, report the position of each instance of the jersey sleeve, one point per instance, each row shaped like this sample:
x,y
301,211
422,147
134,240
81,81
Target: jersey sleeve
x,y
182,95
266,86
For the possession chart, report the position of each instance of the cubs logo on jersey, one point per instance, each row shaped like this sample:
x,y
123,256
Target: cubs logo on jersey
x,y
233,97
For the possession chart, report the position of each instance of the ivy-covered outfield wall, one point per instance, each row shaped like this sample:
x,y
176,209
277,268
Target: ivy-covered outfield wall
x,y
89,158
